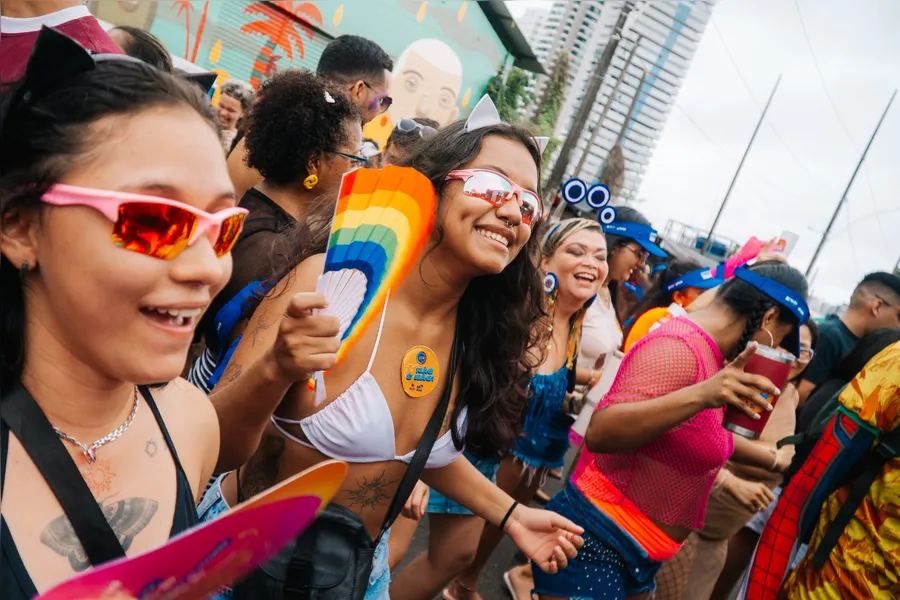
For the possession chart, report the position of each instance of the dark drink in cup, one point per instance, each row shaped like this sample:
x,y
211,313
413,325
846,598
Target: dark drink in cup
x,y
774,365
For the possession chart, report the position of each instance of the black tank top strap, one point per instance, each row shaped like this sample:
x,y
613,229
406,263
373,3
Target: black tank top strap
x,y
185,515
4,452
145,392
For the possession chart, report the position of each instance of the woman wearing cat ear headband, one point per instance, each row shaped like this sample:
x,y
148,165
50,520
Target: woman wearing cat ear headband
x,y
117,222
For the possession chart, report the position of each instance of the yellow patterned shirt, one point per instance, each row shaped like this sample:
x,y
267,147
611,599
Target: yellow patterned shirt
x,y
865,563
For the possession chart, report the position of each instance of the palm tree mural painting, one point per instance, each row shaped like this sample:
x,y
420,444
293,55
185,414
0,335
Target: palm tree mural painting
x,y
282,32
198,35
185,7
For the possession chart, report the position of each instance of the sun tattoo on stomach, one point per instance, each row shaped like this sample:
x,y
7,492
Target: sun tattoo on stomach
x,y
369,493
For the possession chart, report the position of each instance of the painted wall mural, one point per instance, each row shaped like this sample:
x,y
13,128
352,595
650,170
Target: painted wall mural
x,y
444,51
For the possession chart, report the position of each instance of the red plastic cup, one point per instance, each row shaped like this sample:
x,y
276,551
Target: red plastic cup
x,y
773,364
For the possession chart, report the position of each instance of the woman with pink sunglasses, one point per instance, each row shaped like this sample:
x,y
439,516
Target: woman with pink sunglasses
x,y
117,221
478,277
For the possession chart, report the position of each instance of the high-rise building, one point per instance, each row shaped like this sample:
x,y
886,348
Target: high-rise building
x,y
663,37
532,22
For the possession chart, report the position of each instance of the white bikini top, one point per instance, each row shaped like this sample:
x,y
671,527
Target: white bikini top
x,y
357,426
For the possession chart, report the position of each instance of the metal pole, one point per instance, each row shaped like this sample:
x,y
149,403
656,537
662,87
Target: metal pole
x,y
562,205
738,172
609,102
584,109
631,108
849,185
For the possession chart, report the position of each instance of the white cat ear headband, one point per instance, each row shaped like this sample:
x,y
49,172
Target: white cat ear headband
x,y
485,114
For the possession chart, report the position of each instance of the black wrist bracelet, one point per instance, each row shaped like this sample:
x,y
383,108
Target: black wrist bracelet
x,y
508,514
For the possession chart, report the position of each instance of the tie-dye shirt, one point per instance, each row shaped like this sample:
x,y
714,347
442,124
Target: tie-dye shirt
x,y
865,563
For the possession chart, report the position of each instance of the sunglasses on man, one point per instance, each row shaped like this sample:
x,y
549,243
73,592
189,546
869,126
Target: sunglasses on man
x,y
384,102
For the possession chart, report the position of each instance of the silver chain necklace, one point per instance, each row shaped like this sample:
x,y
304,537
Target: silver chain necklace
x,y
90,452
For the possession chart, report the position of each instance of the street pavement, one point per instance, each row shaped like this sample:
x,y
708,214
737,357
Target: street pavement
x,y
491,586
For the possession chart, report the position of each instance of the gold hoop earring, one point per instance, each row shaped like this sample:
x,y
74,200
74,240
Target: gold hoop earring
x,y
311,181
771,337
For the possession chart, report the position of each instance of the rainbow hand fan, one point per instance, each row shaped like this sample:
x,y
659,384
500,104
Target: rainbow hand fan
x,y
382,222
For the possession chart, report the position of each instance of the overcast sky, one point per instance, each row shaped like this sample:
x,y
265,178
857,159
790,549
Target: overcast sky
x,y
802,158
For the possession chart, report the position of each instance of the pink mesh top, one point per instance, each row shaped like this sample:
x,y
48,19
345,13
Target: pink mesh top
x,y
670,478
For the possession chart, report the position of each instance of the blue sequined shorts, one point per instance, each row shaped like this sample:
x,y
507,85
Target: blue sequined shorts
x,y
442,505
605,568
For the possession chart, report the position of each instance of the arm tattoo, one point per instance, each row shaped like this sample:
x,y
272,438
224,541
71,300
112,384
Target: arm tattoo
x,y
126,517
260,327
262,470
369,493
232,372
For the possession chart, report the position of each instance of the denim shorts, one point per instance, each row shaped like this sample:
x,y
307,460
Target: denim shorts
x,y
380,577
213,504
610,566
442,505
545,450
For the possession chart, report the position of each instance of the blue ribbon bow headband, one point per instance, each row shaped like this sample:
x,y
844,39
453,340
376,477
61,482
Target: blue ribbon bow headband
x,y
784,297
703,279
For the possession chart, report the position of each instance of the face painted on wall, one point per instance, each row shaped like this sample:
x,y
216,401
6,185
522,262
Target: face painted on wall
x,y
125,12
427,82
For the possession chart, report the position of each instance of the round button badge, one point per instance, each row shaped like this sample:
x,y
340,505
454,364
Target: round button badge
x,y
419,372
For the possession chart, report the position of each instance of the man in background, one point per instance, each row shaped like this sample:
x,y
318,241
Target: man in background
x,y
354,63
21,20
875,304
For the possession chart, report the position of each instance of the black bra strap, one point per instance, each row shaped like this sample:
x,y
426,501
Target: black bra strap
x,y
28,422
426,443
145,392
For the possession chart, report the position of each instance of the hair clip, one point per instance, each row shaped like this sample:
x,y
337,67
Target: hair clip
x,y
329,98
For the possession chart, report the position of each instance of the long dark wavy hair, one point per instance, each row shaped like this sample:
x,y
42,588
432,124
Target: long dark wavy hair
x,y
47,134
749,302
500,346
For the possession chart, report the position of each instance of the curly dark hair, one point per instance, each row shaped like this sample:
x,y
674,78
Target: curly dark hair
x,y
47,136
351,58
750,303
297,116
501,345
